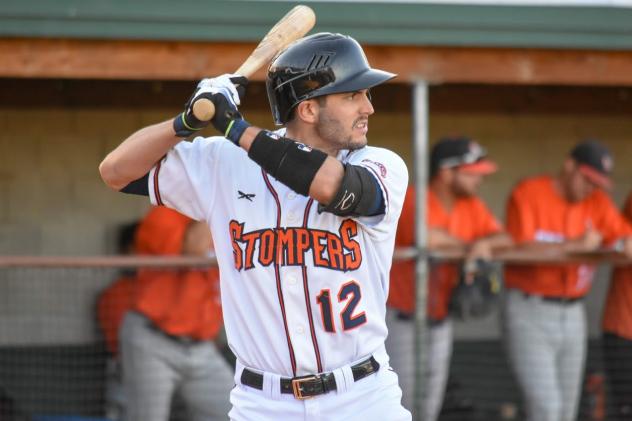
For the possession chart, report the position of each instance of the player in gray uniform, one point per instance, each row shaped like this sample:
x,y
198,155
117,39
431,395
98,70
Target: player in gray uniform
x,y
304,230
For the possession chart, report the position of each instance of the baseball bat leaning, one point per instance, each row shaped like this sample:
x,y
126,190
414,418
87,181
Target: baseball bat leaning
x,y
295,24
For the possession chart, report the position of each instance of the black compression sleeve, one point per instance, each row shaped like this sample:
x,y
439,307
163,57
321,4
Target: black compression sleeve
x,y
140,186
293,164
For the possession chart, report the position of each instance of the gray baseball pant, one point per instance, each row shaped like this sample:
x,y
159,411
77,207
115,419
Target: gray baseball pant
x,y
546,345
156,366
438,351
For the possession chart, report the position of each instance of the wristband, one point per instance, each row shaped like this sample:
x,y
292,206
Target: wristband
x,y
235,130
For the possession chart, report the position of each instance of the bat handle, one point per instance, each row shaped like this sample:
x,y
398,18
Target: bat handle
x,y
203,109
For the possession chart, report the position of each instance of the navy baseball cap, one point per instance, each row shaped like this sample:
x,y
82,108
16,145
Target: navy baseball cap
x,y
595,162
461,152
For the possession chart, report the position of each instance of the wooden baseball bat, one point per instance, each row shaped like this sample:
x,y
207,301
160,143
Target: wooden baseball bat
x,y
295,24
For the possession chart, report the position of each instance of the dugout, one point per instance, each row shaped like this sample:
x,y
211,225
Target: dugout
x,y
77,77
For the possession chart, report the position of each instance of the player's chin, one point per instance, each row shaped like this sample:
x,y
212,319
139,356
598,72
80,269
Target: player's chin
x,y
357,143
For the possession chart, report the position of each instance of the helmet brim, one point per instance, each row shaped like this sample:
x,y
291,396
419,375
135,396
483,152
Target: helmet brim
x,y
366,79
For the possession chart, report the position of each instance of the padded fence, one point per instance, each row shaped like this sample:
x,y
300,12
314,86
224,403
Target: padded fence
x,y
526,343
55,364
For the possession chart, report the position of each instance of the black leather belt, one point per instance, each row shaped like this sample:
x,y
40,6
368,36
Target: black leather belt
x,y
305,387
410,317
557,300
405,316
182,339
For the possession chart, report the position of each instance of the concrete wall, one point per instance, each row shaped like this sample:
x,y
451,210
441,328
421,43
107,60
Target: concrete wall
x,y
54,203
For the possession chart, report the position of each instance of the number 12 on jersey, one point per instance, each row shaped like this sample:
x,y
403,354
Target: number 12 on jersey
x,y
349,292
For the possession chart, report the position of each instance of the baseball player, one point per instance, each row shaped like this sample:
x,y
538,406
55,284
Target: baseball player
x,y
457,220
167,337
617,337
112,304
304,223
544,322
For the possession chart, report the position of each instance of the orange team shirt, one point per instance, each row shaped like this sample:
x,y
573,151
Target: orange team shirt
x,y
468,220
180,302
617,317
113,303
537,212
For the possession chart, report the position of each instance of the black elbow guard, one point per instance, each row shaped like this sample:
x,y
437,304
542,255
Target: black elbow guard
x,y
359,194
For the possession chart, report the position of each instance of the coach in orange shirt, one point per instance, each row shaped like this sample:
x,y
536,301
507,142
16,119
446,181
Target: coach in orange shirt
x,y
457,220
166,341
617,337
544,322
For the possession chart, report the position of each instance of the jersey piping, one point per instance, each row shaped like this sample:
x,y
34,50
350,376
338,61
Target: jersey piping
x,y
307,295
278,276
156,188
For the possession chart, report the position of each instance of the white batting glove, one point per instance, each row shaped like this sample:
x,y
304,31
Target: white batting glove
x,y
224,84
224,91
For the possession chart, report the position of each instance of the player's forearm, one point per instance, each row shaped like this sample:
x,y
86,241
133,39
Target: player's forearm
x,y
550,248
439,239
133,158
500,241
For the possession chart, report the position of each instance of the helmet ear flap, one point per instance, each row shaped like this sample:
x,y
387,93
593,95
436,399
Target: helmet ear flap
x,y
285,95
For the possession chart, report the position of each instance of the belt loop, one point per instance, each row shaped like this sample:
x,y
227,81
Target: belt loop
x,y
348,380
239,368
273,386
341,384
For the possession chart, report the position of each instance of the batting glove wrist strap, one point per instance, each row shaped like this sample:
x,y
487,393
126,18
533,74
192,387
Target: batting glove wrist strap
x,y
235,129
185,125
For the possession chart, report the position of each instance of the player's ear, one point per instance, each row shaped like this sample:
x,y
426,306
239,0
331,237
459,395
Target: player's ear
x,y
307,111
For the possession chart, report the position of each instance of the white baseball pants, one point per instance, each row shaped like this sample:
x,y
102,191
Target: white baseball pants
x,y
375,397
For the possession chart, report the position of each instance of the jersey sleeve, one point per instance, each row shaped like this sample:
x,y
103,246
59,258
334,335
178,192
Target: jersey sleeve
x,y
184,179
520,216
392,176
488,224
405,236
610,222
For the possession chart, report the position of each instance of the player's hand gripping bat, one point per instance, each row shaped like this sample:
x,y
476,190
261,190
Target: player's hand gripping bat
x,y
295,24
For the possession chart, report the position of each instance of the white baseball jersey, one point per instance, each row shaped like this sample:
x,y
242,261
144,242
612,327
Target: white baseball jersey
x,y
302,292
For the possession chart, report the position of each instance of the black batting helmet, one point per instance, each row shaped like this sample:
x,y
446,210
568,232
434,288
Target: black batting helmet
x,y
317,65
